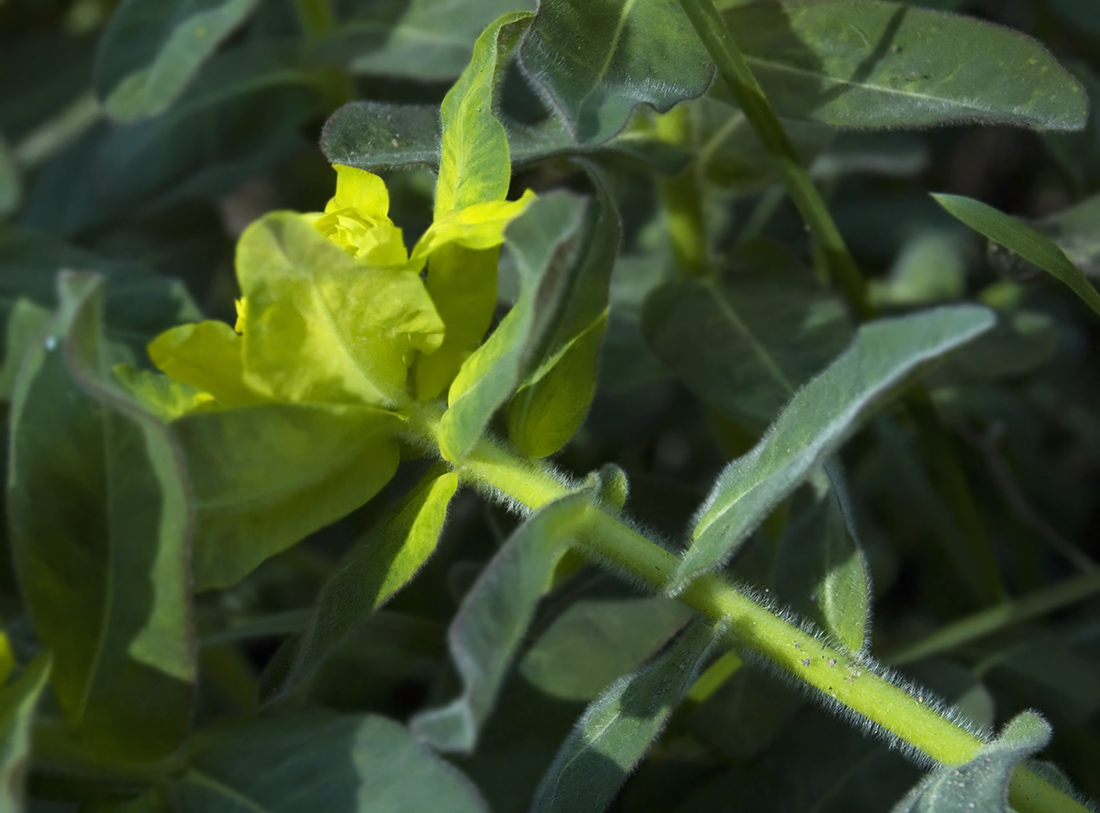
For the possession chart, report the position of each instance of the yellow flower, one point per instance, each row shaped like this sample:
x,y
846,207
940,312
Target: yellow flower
x,y
357,219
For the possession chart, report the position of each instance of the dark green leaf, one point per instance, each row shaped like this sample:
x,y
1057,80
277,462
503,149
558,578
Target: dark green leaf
x,y
594,642
379,565
352,764
746,341
598,60
1024,240
379,136
149,52
619,726
25,322
17,704
865,63
494,616
1077,232
11,185
100,521
1019,343
814,424
983,783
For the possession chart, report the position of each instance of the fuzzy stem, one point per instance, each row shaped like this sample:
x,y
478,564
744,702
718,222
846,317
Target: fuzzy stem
x,y
848,679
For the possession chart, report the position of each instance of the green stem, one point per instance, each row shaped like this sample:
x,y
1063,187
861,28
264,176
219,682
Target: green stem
x,y
316,18
998,618
683,200
849,680
735,71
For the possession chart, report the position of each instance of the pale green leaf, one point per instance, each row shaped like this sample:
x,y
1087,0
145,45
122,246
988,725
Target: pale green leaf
x,y
1024,240
816,422
383,560
149,52
495,613
17,705
102,541
620,726
865,63
598,60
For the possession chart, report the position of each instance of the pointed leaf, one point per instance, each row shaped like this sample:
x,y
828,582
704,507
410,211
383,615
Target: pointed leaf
x,y
319,761
598,60
865,63
1024,240
490,624
983,783
816,422
746,341
100,520
148,53
619,727
381,563
17,704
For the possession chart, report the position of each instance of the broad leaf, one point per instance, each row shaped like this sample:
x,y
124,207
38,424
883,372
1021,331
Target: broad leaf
x,y
25,322
983,783
148,53
596,61
816,422
495,613
319,761
100,520
744,342
620,726
865,63
381,563
593,643
1024,240
543,245
17,704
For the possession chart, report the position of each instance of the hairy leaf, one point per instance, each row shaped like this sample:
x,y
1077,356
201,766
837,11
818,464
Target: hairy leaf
x,y
17,705
596,61
490,624
1024,240
149,52
814,424
383,560
620,726
101,521
865,63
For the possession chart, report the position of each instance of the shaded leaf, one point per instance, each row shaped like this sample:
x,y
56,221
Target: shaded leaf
x,y
620,726
100,522
1075,230
593,643
982,783
379,136
319,761
25,321
17,704
495,613
1020,342
865,63
816,421
380,564
596,61
746,341
11,185
148,53
1024,240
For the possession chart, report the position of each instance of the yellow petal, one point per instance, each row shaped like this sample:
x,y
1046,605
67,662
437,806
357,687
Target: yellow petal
x,y
208,357
360,190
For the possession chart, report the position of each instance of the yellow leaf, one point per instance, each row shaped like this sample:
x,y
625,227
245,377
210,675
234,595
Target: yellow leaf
x,y
207,356
478,227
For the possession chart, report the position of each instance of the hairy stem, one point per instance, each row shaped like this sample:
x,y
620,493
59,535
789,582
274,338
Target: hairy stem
x,y
844,679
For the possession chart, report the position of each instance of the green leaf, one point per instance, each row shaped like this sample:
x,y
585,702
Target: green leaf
x,y
148,53
983,783
381,563
542,242
25,321
745,341
1075,230
818,570
327,328
382,136
319,761
495,613
100,521
1024,240
865,63
11,185
430,41
266,477
474,166
17,704
620,726
596,61
816,422
593,643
